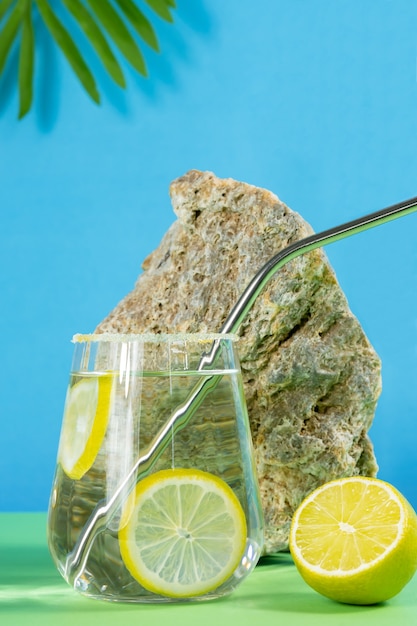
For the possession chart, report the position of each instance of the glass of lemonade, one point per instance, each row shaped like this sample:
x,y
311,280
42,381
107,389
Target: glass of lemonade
x,y
155,497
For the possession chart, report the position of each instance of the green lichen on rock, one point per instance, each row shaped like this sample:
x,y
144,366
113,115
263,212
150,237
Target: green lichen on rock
x,y
311,377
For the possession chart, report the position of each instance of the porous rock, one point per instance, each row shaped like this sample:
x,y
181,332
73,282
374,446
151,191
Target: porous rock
x,y
311,377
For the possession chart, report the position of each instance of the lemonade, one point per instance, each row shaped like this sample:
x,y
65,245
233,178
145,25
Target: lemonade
x,y
111,418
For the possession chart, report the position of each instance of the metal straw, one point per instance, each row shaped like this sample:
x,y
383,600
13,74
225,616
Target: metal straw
x,y
104,510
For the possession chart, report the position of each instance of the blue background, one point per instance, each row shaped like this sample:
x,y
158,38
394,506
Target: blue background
x,y
315,100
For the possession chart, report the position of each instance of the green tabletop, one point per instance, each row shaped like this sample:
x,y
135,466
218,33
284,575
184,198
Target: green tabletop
x,y
32,592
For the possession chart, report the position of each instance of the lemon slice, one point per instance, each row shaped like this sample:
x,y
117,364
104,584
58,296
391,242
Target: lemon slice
x,y
84,425
355,540
184,534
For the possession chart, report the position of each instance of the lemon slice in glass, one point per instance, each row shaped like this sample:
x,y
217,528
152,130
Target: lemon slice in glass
x,y
183,533
84,425
355,540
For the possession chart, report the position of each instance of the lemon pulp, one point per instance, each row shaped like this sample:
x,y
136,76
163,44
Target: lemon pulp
x,y
84,426
183,533
355,540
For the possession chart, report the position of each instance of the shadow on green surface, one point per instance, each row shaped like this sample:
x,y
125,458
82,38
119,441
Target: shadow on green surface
x,y
278,587
28,578
285,601
281,559
29,582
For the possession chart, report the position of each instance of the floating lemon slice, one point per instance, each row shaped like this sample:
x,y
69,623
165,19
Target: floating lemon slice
x,y
84,425
183,534
355,540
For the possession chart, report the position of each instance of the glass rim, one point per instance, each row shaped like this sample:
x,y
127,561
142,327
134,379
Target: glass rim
x,y
152,337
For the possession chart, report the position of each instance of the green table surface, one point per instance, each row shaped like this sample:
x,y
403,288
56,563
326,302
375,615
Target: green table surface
x,y
32,592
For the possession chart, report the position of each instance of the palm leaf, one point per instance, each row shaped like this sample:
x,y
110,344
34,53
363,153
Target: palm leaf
x,y
9,32
118,31
161,7
26,63
68,47
139,22
4,7
101,21
97,40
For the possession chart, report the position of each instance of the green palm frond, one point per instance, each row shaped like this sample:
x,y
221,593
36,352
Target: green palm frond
x,y
104,24
99,42
162,8
69,48
26,57
119,33
4,7
10,30
139,22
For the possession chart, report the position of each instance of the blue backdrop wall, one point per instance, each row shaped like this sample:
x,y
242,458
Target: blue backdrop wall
x,y
315,100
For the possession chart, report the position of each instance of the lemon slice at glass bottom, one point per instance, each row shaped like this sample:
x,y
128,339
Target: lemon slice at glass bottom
x,y
84,425
183,533
355,540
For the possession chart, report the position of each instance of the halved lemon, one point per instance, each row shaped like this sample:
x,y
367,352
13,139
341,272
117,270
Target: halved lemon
x,y
355,540
184,534
84,425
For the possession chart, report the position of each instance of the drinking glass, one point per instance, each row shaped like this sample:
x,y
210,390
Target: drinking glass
x,y
155,497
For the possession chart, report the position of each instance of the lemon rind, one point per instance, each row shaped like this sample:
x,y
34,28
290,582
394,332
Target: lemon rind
x,y
94,439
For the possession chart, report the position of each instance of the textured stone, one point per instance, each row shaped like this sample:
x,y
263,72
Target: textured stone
x,y
311,377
